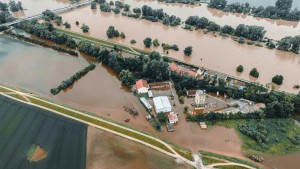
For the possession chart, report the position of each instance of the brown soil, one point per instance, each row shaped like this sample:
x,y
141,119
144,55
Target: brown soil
x,y
38,154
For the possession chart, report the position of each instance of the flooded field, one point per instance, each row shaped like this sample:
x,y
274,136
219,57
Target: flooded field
x,y
105,150
33,7
228,56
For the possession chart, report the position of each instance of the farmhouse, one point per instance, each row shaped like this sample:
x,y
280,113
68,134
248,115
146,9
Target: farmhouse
x,y
142,86
162,104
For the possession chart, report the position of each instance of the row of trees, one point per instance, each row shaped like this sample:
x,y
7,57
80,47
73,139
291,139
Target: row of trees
x,y
252,32
65,84
12,5
46,31
5,17
192,2
41,43
49,15
281,10
112,32
289,43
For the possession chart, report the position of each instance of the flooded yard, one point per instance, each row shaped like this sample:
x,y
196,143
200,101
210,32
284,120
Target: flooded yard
x,y
229,55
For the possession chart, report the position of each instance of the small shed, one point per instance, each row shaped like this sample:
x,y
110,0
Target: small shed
x,y
150,94
162,104
173,118
146,104
142,86
170,127
203,125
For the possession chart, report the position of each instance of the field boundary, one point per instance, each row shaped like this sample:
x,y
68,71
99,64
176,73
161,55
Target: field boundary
x,y
104,125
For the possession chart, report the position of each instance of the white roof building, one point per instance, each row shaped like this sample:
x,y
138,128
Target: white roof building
x,y
172,117
162,104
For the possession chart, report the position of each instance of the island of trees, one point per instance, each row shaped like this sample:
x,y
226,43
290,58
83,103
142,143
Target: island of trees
x,y
281,10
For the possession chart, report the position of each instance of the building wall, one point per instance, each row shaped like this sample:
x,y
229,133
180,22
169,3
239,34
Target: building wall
x,y
142,90
200,99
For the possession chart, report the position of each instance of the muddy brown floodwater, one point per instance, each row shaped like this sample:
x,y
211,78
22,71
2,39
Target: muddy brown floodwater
x,y
107,151
217,53
33,7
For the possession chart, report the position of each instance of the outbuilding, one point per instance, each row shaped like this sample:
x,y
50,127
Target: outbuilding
x,y
173,118
162,104
142,86
146,104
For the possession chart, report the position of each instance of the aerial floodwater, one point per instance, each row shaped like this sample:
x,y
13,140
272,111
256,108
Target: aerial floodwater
x,y
229,55
34,7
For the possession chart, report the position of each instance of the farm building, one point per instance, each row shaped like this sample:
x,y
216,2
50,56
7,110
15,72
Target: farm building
x,y
191,93
200,98
142,86
203,125
146,104
173,118
170,127
162,104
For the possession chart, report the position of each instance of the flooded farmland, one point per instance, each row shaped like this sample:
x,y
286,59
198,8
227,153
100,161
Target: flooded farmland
x,y
33,7
229,55
105,150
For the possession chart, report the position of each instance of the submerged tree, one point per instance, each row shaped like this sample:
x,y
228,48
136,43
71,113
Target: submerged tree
x,y
85,28
147,42
188,51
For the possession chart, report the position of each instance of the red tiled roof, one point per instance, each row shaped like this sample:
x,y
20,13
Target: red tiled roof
x,y
173,67
192,73
141,83
172,117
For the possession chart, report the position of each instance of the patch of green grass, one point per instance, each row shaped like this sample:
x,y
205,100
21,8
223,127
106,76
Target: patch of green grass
x,y
186,153
17,96
208,160
228,158
279,132
102,124
3,90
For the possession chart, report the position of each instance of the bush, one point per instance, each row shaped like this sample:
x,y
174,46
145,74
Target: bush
x,y
254,73
133,41
240,68
156,42
148,42
188,51
278,79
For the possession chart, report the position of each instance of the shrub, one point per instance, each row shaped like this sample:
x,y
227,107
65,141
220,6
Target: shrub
x,y
133,41
240,68
188,51
278,79
254,73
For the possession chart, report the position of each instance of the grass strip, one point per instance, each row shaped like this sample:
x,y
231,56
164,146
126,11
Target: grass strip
x,y
228,158
102,124
208,160
17,96
103,42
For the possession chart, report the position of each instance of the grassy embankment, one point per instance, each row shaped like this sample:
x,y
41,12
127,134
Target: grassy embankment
x,y
228,158
280,132
104,43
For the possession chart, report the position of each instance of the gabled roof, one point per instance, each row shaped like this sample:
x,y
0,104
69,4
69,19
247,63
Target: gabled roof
x,y
172,117
173,67
141,83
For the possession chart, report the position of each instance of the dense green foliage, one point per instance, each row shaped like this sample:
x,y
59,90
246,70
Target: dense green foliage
x,y
41,43
289,44
93,5
65,84
67,25
5,17
281,10
15,6
254,72
147,42
167,47
240,68
49,15
85,28
278,79
156,43
127,78
25,127
46,31
112,32
255,33
105,7
188,51
192,2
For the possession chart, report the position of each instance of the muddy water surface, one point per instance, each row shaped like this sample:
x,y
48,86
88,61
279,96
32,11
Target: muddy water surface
x,y
33,7
217,53
105,150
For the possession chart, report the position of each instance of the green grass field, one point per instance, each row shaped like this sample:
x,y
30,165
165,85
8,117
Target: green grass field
x,y
279,132
22,126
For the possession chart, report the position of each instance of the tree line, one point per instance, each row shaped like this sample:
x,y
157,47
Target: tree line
x,y
66,83
41,43
192,2
281,10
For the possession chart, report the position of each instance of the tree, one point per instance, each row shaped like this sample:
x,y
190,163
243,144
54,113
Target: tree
x,y
296,102
213,26
154,55
278,79
122,35
112,32
188,51
157,70
227,29
133,41
218,4
240,68
162,117
254,73
67,25
93,5
126,7
156,42
77,23
137,10
147,42
181,99
85,28
111,3
127,78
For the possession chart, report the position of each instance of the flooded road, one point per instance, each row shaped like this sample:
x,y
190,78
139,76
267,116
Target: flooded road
x,y
33,7
226,58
